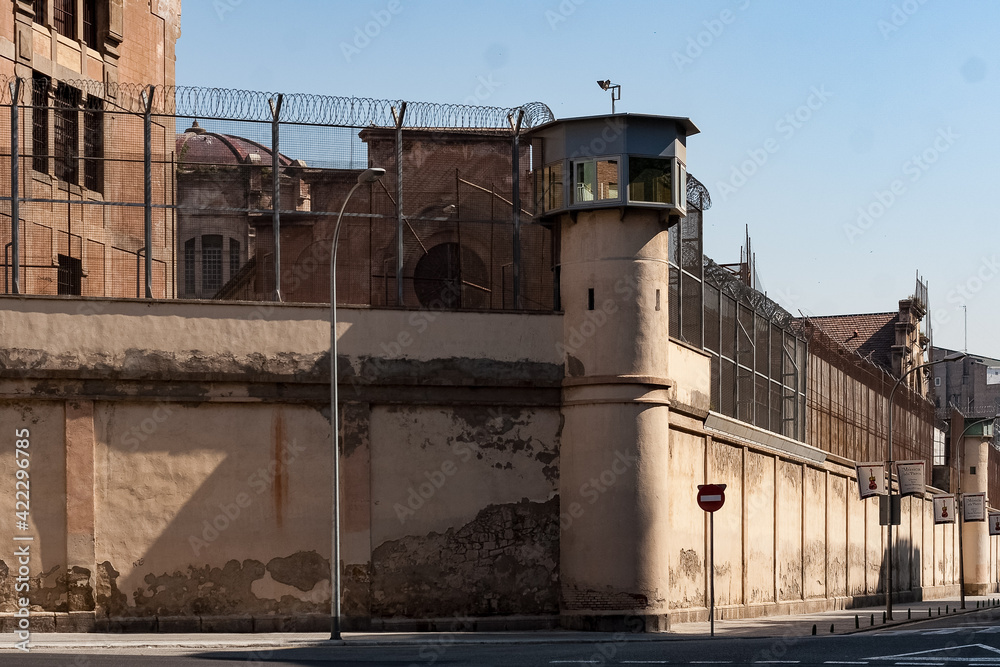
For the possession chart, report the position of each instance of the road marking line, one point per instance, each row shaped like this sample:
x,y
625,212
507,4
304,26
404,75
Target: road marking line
x,y
843,662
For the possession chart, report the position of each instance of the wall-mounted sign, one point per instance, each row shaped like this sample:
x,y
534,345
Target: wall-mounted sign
x,y
993,375
912,479
994,523
944,509
974,506
871,479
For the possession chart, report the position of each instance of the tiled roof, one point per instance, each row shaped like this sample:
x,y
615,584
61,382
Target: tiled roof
x,y
871,335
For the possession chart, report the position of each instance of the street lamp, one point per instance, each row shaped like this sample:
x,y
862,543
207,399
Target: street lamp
x,y
888,470
367,176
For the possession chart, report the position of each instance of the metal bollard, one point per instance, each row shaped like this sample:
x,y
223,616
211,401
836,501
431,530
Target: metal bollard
x,y
857,622
814,628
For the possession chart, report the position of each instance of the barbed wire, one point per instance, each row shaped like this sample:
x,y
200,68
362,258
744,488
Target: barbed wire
x,y
697,194
298,108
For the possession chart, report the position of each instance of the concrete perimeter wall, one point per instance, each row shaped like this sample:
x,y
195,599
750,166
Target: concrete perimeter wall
x,y
793,535
180,464
180,476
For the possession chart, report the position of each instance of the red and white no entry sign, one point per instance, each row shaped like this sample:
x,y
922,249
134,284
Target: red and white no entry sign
x,y
711,497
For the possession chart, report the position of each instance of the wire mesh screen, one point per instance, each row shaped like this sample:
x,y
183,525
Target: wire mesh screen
x,y
215,194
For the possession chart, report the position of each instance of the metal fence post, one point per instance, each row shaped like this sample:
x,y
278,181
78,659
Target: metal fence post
x,y
147,140
516,199
276,189
15,188
398,116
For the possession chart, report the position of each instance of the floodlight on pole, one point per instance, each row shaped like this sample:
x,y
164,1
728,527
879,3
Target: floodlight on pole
x,y
365,177
616,91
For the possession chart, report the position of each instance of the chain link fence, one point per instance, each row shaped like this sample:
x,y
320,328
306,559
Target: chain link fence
x,y
194,193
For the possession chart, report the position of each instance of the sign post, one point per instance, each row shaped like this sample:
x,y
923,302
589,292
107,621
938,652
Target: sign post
x,y
711,497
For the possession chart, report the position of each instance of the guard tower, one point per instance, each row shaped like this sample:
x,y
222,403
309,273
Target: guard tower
x,y
611,186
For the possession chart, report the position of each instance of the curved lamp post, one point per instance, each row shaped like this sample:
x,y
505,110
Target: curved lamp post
x,y
367,176
888,470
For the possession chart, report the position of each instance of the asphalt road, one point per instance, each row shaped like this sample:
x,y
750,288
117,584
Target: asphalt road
x,y
971,639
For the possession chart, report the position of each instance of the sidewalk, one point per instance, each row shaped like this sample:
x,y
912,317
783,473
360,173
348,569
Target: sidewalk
x,y
842,621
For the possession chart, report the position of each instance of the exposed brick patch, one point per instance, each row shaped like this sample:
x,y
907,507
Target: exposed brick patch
x,y
504,562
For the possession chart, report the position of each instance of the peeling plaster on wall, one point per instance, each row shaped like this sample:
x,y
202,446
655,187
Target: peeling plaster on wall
x,y
110,600
356,581
354,425
453,371
503,562
221,591
302,570
157,365
689,566
503,430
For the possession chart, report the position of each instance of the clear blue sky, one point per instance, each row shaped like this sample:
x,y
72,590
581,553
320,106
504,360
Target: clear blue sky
x,y
810,113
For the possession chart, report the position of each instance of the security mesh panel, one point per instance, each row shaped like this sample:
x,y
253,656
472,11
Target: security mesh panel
x,y
757,353
848,403
133,191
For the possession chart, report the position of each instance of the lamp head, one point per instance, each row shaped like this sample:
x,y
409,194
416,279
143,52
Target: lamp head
x,y
449,209
370,175
604,84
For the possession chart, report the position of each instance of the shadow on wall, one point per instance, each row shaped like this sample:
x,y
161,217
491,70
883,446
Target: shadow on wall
x,y
907,573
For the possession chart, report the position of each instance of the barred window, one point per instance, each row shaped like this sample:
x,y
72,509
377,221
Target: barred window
x,y
70,275
90,23
211,264
67,133
189,285
39,6
64,15
40,123
234,258
93,145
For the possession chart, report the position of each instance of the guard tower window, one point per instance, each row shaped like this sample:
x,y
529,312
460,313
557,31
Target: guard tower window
x,y
551,187
650,180
595,180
